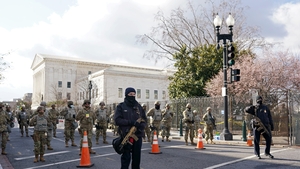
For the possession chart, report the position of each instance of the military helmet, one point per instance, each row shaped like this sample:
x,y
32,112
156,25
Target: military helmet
x,y
156,103
43,103
70,102
167,105
208,108
40,108
195,111
188,105
86,101
144,105
102,103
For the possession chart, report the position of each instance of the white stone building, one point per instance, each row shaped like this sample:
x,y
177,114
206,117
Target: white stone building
x,y
57,78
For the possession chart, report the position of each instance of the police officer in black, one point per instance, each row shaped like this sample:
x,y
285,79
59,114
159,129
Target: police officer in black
x,y
127,114
263,113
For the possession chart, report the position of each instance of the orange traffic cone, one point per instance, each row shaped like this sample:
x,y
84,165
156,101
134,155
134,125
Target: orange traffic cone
x,y
155,147
200,142
249,139
85,160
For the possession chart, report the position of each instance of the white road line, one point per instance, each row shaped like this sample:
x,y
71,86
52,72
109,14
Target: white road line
x,y
238,160
48,154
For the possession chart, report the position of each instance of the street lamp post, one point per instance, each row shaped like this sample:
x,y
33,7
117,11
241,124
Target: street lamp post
x,y
90,90
225,135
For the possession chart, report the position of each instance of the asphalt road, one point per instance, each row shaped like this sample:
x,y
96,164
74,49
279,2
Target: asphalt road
x,y
175,155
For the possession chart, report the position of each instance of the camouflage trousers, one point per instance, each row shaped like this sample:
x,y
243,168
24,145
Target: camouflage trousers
x,y
156,126
89,137
39,142
3,139
147,131
189,131
54,129
166,127
102,130
49,137
69,134
196,128
22,126
115,129
208,130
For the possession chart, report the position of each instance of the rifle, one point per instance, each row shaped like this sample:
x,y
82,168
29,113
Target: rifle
x,y
260,126
128,135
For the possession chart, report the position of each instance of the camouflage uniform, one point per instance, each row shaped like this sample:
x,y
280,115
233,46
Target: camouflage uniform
x,y
69,116
40,123
53,115
209,125
147,128
4,119
101,124
197,120
156,115
188,119
10,124
87,118
113,124
49,127
23,119
167,117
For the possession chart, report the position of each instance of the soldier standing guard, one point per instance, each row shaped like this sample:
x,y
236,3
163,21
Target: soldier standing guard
x,y
23,120
40,123
53,115
209,125
69,130
10,124
49,126
101,124
147,128
87,118
4,119
113,124
189,124
156,115
197,120
167,117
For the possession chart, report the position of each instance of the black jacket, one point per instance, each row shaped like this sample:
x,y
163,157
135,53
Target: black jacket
x,y
125,115
263,113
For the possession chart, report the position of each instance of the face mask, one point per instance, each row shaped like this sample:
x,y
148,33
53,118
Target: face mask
x,y
259,102
130,98
72,106
189,108
157,107
41,113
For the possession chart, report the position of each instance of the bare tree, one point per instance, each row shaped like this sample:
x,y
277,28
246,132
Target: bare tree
x,y
3,65
193,26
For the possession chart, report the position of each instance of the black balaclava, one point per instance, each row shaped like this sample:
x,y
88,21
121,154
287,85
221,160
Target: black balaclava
x,y
259,100
130,100
157,106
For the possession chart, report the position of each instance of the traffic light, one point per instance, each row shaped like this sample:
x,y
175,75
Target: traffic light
x,y
230,55
235,75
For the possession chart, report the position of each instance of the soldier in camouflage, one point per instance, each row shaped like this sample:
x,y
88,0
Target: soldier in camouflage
x,y
10,124
40,123
209,125
53,115
167,116
113,124
156,115
49,126
101,122
147,128
23,120
69,114
197,120
4,120
87,118
188,119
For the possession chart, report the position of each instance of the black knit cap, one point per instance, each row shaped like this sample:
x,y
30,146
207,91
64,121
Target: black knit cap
x,y
128,90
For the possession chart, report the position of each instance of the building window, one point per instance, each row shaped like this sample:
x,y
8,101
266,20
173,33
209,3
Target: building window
x,y
68,96
147,94
89,72
59,83
68,84
163,94
96,93
93,93
59,95
138,93
155,94
120,92
87,95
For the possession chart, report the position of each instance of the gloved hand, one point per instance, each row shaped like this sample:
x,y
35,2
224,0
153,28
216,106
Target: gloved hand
x,y
135,123
193,121
74,116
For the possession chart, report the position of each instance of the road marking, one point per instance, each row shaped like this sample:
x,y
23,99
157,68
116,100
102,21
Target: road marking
x,y
48,154
238,160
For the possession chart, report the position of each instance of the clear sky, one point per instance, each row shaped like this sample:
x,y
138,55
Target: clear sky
x,y
106,30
